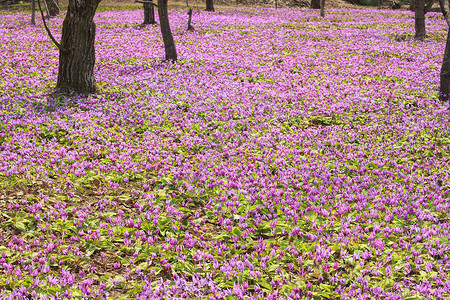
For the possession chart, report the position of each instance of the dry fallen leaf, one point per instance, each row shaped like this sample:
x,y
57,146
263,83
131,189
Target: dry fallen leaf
x,y
96,182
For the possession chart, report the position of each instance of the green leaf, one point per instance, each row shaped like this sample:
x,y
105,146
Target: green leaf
x,y
4,249
273,267
327,287
21,226
322,294
444,240
227,284
264,283
236,231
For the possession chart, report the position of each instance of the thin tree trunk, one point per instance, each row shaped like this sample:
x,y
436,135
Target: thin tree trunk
x,y
169,44
315,4
209,5
420,19
444,90
190,27
33,12
149,13
53,7
322,8
412,5
77,53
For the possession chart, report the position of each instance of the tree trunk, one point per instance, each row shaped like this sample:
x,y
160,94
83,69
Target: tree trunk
x,y
412,5
169,44
315,4
149,13
209,5
444,90
420,19
33,12
322,8
53,7
77,53
190,27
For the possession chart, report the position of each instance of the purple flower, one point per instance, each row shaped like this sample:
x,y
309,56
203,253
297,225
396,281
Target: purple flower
x,y
428,267
378,244
388,271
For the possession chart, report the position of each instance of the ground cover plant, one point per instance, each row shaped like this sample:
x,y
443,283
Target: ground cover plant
x,y
285,156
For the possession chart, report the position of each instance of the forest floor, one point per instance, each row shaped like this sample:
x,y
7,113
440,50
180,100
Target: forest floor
x,y
199,4
284,155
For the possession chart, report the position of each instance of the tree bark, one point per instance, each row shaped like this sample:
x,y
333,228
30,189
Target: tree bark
x,y
77,53
322,8
33,12
149,13
169,44
315,4
53,7
445,9
190,27
420,19
444,90
209,5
